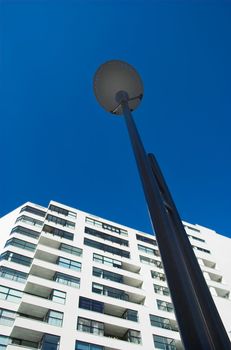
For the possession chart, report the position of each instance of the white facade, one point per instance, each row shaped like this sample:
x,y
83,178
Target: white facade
x,y
71,280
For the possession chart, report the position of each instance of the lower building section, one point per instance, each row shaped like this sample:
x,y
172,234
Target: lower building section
x,y
72,281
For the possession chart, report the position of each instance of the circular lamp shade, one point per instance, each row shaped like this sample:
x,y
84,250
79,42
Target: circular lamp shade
x,y
113,77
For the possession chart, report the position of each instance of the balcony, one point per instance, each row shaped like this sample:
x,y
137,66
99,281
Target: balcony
x,y
118,264
110,275
120,294
108,330
107,312
36,295
47,270
31,329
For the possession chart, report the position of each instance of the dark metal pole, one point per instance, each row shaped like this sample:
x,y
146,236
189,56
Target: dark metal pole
x,y
200,325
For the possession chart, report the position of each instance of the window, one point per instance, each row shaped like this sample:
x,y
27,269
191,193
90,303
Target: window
x,y
25,343
109,291
201,249
90,326
158,276
7,317
67,280
89,304
131,315
105,226
79,345
25,231
57,232
60,221
148,250
105,236
106,248
107,261
164,343
55,318
197,239
133,336
164,305
62,211
58,296
107,275
16,258
13,275
161,290
162,322
20,244
10,294
3,342
192,229
50,342
152,262
32,210
146,239
30,221
69,264
71,250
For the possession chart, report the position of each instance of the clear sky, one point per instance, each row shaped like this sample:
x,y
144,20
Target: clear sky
x,y
57,143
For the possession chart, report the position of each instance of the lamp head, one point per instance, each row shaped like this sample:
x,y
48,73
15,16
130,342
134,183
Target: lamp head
x,y
116,81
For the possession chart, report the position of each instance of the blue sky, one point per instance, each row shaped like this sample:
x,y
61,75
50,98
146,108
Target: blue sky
x,y
57,143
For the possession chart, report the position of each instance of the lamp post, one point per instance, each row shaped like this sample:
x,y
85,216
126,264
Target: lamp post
x,y
119,89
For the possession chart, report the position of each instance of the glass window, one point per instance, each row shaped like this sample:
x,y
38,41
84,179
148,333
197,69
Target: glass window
x,y
71,250
108,291
59,221
20,244
164,305
79,345
25,343
192,229
62,211
161,322
148,250
7,317
57,232
164,343
10,294
197,239
161,290
90,326
58,296
33,210
158,276
13,275
201,249
107,275
133,336
55,318
69,264
105,226
105,236
67,280
152,262
146,239
25,231
89,304
3,342
16,258
50,342
131,315
107,261
30,221
106,248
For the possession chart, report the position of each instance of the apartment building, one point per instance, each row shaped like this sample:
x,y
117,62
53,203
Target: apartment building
x,y
71,280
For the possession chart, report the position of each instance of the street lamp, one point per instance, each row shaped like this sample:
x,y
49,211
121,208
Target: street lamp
x,y
119,89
